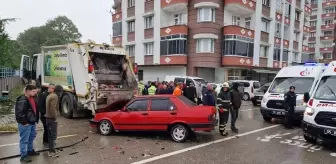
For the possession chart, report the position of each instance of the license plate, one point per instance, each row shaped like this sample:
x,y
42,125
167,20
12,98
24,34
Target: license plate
x,y
278,113
330,132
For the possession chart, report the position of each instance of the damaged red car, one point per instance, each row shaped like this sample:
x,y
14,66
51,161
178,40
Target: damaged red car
x,y
175,114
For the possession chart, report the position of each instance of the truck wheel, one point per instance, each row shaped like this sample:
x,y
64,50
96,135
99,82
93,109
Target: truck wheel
x,y
179,133
309,139
267,119
66,107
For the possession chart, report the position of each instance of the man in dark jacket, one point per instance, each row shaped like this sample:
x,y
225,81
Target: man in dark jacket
x,y
208,97
42,96
190,93
236,103
224,106
170,87
27,116
290,104
163,90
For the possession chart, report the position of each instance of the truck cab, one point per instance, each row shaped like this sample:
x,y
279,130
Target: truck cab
x,y
303,77
319,121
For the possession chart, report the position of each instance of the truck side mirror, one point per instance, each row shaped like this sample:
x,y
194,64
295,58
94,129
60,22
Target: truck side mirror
x,y
306,97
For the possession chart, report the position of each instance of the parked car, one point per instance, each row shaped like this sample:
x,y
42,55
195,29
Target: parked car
x,y
258,95
175,114
248,87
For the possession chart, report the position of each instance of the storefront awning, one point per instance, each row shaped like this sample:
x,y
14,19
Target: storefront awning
x,y
264,71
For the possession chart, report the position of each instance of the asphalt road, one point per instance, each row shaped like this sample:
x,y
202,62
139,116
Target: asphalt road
x,y
257,142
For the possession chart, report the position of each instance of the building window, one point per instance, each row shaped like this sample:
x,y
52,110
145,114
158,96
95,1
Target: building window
x,y
312,23
180,19
236,20
117,28
140,75
131,50
313,2
238,45
173,44
327,45
131,26
328,33
279,5
263,52
297,36
264,25
277,29
149,48
206,15
296,57
248,22
327,56
266,2
288,9
285,55
328,22
297,15
311,45
131,3
149,22
234,74
312,34
205,45
276,54
329,10
314,12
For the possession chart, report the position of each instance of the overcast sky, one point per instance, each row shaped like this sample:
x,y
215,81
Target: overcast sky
x,y
90,16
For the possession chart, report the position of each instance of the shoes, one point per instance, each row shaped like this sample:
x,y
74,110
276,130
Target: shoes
x,y
33,153
224,134
53,154
234,130
25,160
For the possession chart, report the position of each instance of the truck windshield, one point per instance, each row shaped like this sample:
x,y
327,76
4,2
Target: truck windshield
x,y
282,84
326,89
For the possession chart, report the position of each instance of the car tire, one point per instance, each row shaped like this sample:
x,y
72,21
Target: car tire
x,y
179,133
105,127
267,119
246,97
66,109
309,139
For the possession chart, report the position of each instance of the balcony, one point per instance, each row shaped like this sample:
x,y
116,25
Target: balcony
x,y
328,27
326,50
328,4
306,29
117,40
264,37
237,61
311,50
307,10
173,5
266,10
311,39
174,29
173,60
313,28
314,6
329,15
149,6
313,17
327,38
297,25
131,36
240,7
295,45
117,17
285,43
237,30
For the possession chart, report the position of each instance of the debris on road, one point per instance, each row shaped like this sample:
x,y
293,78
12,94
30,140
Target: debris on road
x,y
133,157
73,153
122,152
163,148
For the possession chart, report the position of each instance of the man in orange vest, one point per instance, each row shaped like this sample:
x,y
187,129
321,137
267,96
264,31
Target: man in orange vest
x,y
177,90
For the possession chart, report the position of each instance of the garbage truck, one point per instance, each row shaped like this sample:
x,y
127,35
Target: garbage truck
x,y
92,75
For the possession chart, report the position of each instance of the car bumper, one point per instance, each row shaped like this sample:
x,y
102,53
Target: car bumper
x,y
316,132
93,123
280,113
256,99
204,126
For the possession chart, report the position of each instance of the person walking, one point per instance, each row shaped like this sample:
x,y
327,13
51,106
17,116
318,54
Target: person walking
x,y
42,96
208,96
177,90
224,106
152,89
290,104
52,109
27,116
236,103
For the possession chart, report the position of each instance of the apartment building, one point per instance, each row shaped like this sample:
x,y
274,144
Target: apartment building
x,y
321,40
218,40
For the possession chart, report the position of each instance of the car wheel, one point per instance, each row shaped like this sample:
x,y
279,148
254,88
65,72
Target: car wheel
x,y
65,107
309,139
179,133
105,127
246,96
267,119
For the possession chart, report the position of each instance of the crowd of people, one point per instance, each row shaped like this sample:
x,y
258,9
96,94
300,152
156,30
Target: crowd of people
x,y
30,108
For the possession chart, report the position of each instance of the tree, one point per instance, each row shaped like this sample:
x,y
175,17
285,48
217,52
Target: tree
x,y
60,30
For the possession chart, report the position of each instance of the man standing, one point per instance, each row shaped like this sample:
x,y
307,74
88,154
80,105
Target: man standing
x,y
42,96
236,103
190,93
224,106
52,105
27,115
290,104
152,89
170,88
163,90
177,90
208,97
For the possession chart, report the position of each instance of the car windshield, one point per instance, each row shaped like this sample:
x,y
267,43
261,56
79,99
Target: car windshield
x,y
187,101
326,89
202,81
282,84
256,85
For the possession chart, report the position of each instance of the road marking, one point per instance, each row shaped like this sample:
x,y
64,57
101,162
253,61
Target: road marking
x,y
244,110
13,144
201,145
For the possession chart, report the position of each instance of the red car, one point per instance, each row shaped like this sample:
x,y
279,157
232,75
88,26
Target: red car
x,y
175,114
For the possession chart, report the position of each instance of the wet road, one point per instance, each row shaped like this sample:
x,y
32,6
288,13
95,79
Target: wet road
x,y
257,142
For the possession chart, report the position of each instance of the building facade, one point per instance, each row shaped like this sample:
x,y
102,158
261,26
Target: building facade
x,y
218,40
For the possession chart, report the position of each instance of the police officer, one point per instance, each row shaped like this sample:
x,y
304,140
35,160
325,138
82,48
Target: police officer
x,y
152,89
290,104
223,106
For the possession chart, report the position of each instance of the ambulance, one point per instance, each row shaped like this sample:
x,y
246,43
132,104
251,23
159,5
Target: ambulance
x,y
319,121
304,77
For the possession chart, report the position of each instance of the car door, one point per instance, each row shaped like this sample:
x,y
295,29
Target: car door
x,y
134,117
162,112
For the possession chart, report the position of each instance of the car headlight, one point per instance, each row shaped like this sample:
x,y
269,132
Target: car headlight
x,y
264,99
309,111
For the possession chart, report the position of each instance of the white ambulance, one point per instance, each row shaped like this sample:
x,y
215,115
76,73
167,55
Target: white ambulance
x,y
303,77
319,121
